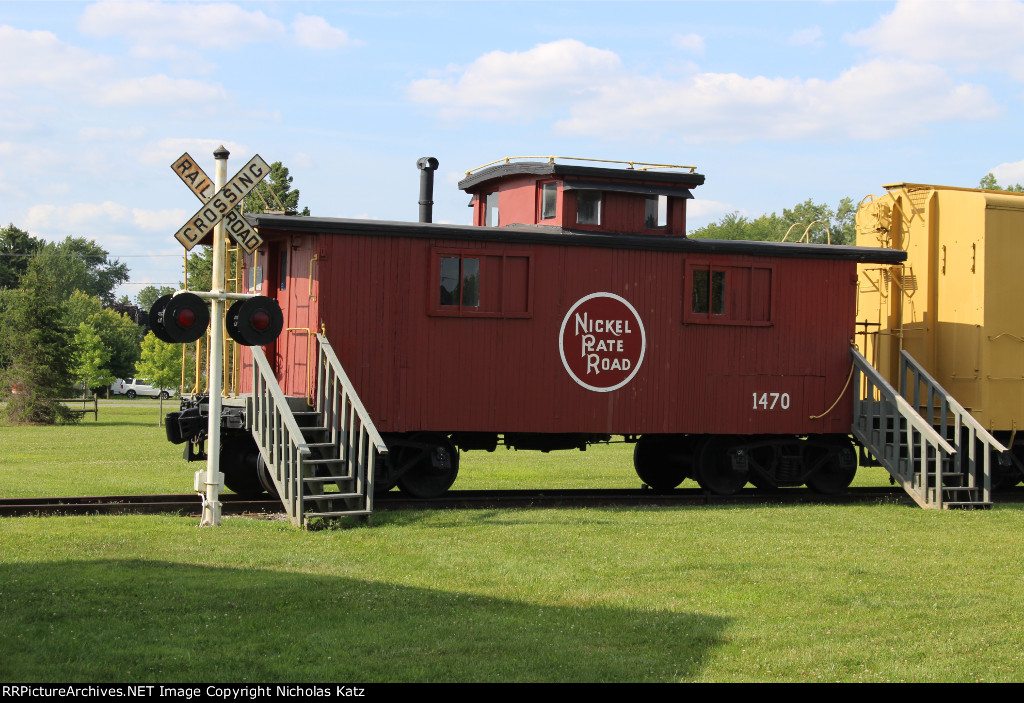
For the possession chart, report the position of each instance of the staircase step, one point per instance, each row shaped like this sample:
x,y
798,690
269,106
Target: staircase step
x,y
345,513
322,462
326,479
331,496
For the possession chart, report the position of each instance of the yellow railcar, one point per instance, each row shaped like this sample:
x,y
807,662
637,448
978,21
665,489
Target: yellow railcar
x,y
957,304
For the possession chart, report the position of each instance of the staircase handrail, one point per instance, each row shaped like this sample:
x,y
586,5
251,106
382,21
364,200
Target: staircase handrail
x,y
906,409
908,361
364,417
289,486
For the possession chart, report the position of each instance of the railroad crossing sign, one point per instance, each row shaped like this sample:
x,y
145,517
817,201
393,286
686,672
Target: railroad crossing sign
x,y
220,205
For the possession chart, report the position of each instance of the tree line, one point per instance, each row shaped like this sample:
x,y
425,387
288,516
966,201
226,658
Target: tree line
x,y
822,224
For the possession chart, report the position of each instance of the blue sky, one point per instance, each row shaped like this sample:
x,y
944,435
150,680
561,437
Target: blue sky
x,y
774,102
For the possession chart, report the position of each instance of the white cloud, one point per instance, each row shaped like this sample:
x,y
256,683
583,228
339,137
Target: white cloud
x,y
693,43
964,34
158,29
314,32
87,216
159,90
1009,173
588,92
159,220
40,59
507,85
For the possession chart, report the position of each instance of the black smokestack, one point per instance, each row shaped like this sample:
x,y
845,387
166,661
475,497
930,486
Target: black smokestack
x,y
427,165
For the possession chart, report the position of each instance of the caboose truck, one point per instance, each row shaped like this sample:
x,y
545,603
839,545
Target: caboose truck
x,y
574,308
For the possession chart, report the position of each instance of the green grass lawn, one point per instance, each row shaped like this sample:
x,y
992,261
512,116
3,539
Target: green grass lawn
x,y
756,593
126,453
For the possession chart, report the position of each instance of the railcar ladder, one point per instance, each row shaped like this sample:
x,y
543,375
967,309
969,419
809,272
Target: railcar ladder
x,y
926,440
321,456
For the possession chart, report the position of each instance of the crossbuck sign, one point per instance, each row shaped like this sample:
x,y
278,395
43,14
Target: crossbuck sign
x,y
221,205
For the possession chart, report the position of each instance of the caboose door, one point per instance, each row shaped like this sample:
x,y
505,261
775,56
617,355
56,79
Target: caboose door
x,y
296,294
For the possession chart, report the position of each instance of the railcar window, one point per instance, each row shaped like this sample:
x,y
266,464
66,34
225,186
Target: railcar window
x,y
471,283
491,210
708,292
588,207
729,295
481,284
283,271
450,280
549,200
656,212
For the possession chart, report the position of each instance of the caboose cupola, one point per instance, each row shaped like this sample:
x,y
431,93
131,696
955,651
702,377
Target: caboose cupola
x,y
628,198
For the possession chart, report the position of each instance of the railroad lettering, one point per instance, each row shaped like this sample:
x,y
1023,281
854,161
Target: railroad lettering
x,y
771,401
602,342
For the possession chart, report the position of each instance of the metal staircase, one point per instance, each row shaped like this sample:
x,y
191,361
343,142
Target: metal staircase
x,y
926,440
319,451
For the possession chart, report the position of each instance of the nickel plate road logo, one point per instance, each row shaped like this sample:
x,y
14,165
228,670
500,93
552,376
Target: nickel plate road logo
x,y
602,342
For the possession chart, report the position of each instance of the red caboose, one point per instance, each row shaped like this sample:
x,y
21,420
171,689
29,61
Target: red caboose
x,y
575,308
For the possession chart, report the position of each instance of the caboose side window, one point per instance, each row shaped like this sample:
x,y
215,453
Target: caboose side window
x,y
491,210
588,207
475,283
728,295
708,292
656,212
548,200
460,282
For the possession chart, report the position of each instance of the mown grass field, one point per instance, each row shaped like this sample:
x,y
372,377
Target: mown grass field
x,y
766,593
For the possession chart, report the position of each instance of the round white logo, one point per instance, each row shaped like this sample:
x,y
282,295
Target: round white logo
x,y
602,342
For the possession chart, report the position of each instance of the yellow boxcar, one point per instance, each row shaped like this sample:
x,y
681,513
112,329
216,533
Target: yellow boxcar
x,y
957,304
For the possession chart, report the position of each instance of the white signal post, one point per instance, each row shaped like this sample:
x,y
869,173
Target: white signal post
x,y
211,502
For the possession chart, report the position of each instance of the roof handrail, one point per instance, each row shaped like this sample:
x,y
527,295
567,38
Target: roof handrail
x,y
633,165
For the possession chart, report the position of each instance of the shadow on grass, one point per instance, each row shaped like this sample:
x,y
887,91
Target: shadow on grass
x,y
137,620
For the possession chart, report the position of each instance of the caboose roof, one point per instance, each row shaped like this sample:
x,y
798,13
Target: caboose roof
x,y
557,236
570,171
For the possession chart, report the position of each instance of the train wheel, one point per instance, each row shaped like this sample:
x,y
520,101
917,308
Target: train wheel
x,y
836,470
434,465
240,462
716,471
660,461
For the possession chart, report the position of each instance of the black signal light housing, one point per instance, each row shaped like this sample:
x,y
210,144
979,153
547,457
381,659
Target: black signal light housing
x,y
255,322
179,319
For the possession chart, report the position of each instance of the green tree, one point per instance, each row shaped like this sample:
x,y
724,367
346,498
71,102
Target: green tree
x,y
119,334
200,269
988,182
278,184
90,363
148,295
36,348
77,263
793,221
160,364
16,248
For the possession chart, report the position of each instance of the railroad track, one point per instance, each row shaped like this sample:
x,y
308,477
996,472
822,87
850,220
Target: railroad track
x,y
189,504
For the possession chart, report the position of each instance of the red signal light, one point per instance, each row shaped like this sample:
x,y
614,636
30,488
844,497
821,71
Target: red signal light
x,y
186,318
260,320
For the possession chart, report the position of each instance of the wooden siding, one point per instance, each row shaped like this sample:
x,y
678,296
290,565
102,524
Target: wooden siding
x,y
420,371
